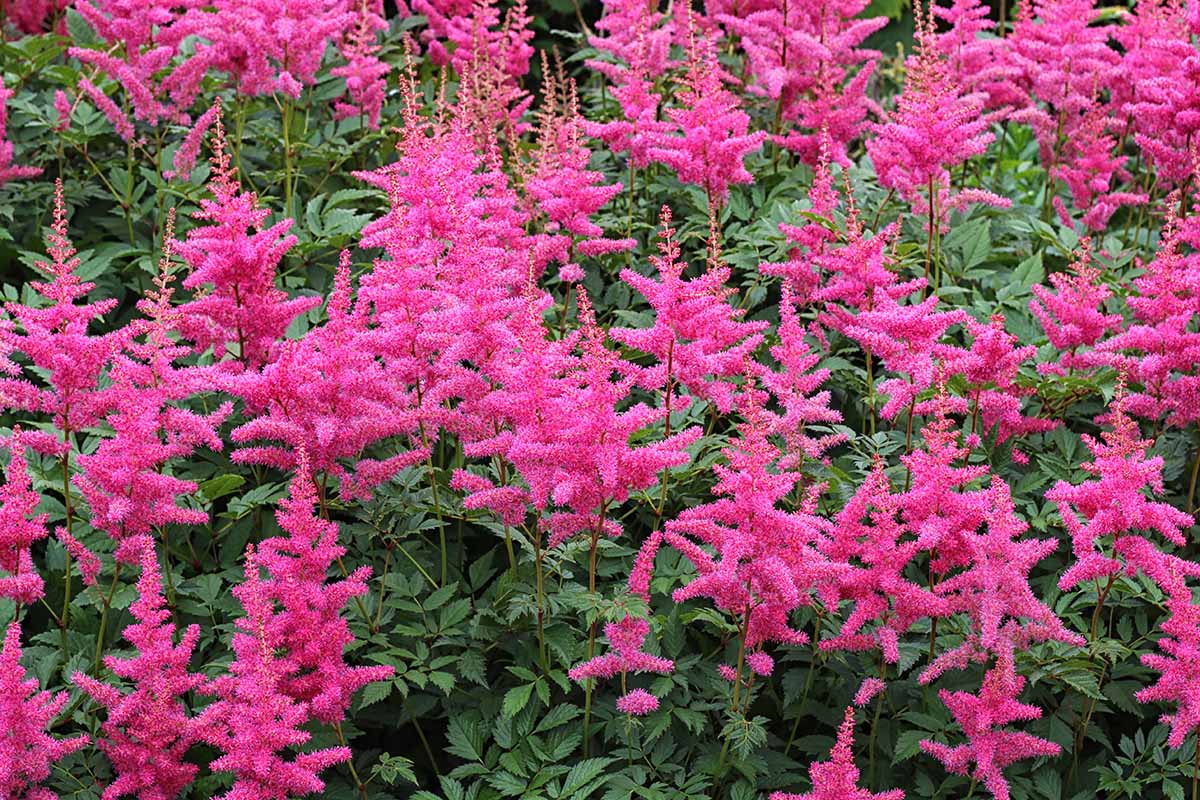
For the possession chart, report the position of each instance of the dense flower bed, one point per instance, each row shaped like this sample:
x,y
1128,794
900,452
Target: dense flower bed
x,y
468,399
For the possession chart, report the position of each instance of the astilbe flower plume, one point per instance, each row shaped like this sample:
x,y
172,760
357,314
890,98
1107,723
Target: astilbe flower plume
x,y
637,703
934,128
27,750
764,560
20,527
977,548
264,46
837,778
1163,99
710,139
626,638
33,16
814,238
124,480
561,186
984,718
638,36
307,623
1065,63
1073,315
979,63
796,386
572,445
365,74
254,719
148,729
1115,503
54,337
1178,663
8,170
234,259
1094,174
802,57
699,340
330,395
876,548
1158,350
907,339
991,368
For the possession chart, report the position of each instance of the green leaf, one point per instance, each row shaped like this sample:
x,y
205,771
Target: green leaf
x,y
516,699
465,738
908,744
375,692
220,486
583,772
558,715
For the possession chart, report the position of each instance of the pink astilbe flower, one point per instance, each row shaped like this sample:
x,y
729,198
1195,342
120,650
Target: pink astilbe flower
x,y
1159,349
124,480
148,730
760,663
851,268
33,16
8,170
308,624
54,337
234,260
27,750
189,149
1115,503
476,31
975,60
254,719
1073,314
983,718
991,368
264,46
710,139
1178,664
934,128
814,238
120,121
867,690
1163,100
907,339
1065,62
796,386
870,538
137,78
1093,173
20,527
637,703
332,397
638,36
626,638
837,778
584,462
699,340
89,562
561,186
802,57
764,561
993,589
974,538
634,133
365,74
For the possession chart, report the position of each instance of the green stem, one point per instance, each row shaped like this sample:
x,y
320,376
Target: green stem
x,y
104,618
362,789
591,651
